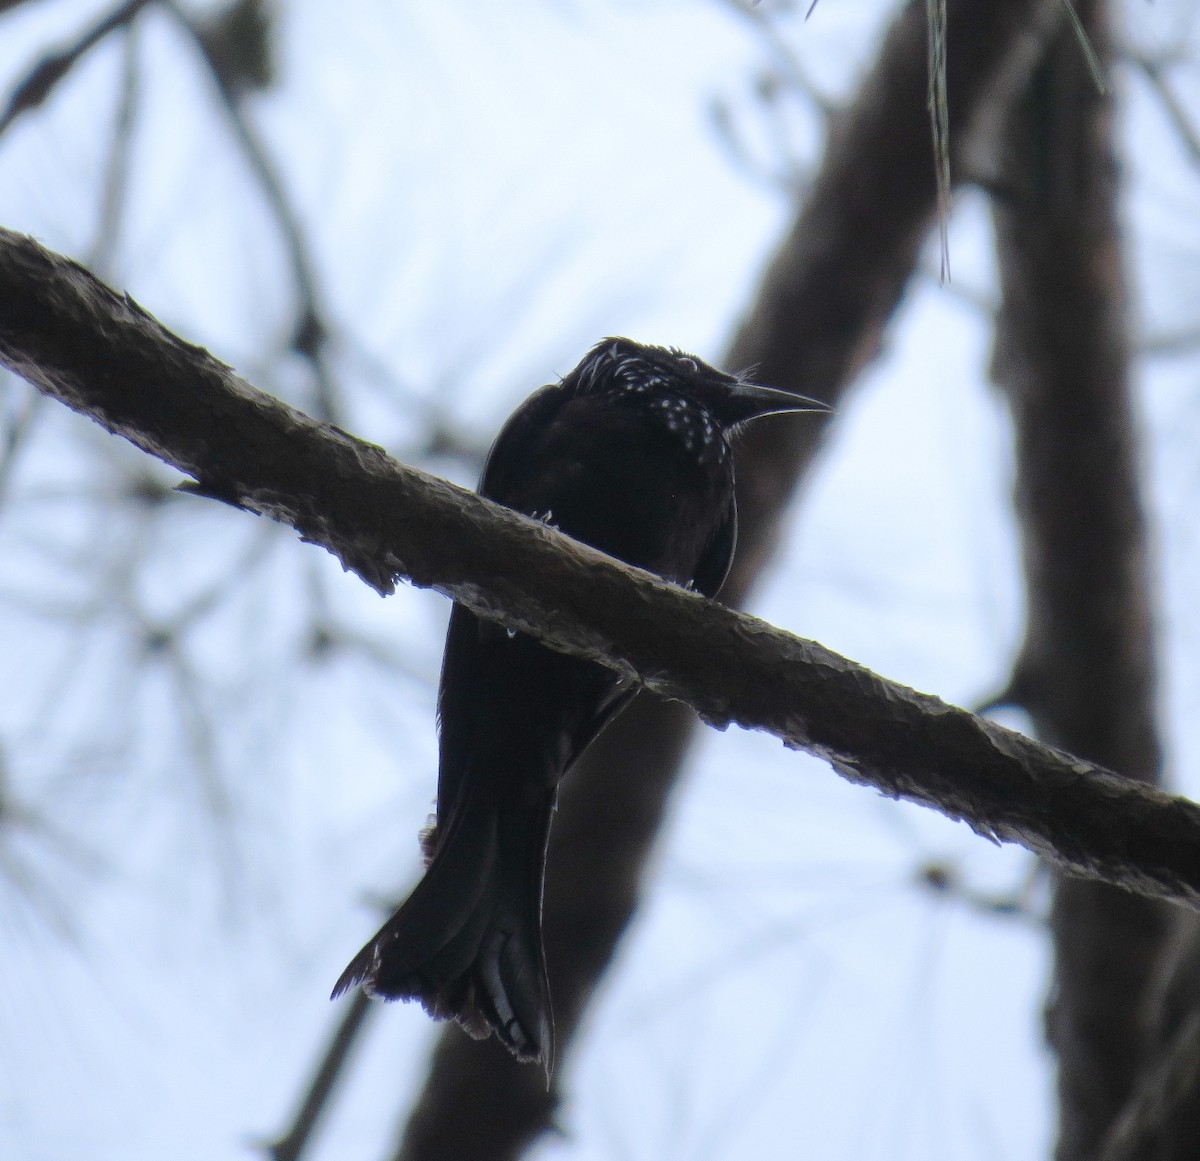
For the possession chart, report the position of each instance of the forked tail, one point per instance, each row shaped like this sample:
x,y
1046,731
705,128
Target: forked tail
x,y
467,942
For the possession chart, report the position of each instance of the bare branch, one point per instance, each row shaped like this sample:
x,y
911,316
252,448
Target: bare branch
x,y
104,356
116,175
44,77
788,65
292,1145
1155,73
17,426
310,334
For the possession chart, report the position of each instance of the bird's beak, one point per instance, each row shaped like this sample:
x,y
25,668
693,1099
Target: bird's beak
x,y
748,401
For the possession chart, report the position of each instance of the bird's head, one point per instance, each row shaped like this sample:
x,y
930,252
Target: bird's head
x,y
621,367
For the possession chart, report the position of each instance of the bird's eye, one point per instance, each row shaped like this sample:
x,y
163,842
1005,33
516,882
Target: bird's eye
x,y
687,363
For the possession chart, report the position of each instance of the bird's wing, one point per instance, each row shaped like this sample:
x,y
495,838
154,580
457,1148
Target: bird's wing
x,y
714,563
509,458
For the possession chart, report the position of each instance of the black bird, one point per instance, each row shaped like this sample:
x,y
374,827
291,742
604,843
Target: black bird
x,y
629,453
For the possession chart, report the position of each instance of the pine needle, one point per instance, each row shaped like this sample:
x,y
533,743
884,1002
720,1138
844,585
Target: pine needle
x,y
939,120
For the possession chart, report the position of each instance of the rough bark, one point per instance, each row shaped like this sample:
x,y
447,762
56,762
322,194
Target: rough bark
x,y
1161,1121
1086,672
100,354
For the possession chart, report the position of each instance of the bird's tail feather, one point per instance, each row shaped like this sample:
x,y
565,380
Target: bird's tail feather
x,y
467,942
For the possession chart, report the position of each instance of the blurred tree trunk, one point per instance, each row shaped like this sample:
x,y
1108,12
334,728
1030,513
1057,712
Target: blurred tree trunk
x,y
1086,673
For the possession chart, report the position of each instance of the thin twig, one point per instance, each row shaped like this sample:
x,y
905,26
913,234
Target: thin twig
x,y
790,69
939,123
310,334
45,76
347,1035
23,410
1181,122
116,176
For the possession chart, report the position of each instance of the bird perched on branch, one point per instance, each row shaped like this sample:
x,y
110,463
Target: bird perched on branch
x,y
629,453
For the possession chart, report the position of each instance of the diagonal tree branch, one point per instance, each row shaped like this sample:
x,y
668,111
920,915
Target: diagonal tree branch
x,y
102,355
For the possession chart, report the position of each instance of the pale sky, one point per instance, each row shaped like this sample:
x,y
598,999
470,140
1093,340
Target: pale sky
x,y
486,191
